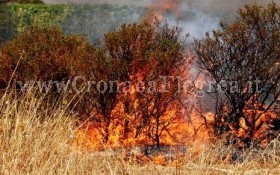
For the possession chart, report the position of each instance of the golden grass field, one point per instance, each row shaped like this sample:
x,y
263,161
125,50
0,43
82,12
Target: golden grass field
x,y
36,140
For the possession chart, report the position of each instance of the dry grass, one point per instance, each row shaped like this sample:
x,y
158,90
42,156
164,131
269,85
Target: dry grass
x,y
38,140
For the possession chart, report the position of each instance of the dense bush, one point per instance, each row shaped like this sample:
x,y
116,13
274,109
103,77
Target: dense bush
x,y
136,52
15,18
44,54
93,20
25,1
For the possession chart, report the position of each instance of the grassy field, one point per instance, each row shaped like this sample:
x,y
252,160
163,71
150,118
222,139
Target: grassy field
x,y
40,140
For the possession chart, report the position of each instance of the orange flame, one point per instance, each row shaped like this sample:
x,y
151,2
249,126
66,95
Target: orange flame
x,y
123,133
159,8
183,132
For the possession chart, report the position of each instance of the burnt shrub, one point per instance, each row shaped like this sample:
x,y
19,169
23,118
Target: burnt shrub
x,y
244,54
44,54
134,53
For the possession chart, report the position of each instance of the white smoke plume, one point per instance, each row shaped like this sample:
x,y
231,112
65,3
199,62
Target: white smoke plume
x,y
197,16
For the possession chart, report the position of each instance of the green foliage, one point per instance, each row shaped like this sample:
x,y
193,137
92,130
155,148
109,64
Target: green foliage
x,y
26,1
18,17
81,19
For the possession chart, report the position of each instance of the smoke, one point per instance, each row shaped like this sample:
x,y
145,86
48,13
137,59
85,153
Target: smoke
x,y
201,16
225,5
195,20
212,4
196,16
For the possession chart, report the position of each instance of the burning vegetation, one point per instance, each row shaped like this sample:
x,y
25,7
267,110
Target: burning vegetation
x,y
245,94
242,59
158,10
142,97
150,108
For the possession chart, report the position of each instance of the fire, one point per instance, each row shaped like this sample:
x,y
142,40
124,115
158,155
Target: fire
x,y
189,130
261,125
159,9
182,134
176,127
138,125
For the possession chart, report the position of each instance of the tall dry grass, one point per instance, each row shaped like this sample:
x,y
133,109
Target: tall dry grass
x,y
37,138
